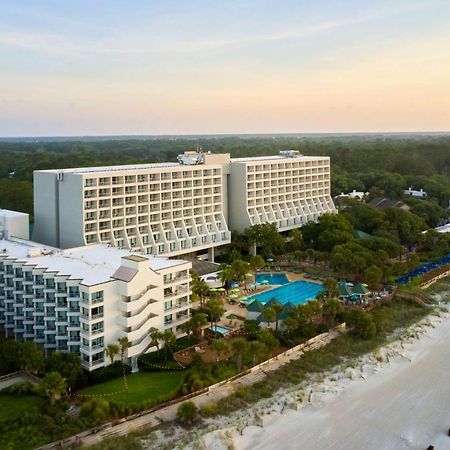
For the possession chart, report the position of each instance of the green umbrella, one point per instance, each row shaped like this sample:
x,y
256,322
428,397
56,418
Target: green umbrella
x,y
249,274
264,282
235,290
213,290
220,290
243,298
233,296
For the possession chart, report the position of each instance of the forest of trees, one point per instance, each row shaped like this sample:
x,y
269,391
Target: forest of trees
x,y
382,165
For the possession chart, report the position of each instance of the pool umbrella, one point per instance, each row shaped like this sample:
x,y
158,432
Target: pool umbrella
x,y
234,284
364,284
249,275
269,259
233,296
236,289
264,282
220,290
213,290
243,298
250,286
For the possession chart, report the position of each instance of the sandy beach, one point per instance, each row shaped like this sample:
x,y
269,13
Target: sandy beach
x,y
402,404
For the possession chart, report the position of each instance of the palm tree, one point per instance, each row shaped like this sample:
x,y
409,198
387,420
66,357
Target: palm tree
x,y
155,336
169,338
268,314
239,345
124,345
53,386
198,321
220,346
111,351
257,350
187,327
216,310
278,309
226,275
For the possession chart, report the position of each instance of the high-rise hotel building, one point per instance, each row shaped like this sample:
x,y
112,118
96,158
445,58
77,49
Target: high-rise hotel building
x,y
182,208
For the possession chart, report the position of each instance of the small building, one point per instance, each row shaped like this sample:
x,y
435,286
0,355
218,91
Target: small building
x,y
416,194
352,292
384,203
208,271
341,200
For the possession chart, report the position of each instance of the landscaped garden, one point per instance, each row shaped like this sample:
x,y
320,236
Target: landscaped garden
x,y
142,390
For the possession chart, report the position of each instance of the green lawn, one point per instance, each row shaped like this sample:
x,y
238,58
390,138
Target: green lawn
x,y
12,407
143,387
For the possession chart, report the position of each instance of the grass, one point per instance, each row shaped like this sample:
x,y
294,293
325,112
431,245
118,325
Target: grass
x,y
12,407
143,387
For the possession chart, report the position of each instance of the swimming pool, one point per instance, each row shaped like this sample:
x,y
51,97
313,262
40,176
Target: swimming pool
x,y
221,330
297,293
272,278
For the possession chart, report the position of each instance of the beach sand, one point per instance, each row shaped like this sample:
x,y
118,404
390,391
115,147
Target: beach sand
x,y
403,405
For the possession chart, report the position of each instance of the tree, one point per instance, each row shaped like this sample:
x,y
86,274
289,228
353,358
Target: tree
x,y
199,288
266,237
216,310
239,346
187,412
331,288
220,346
257,349
268,339
198,320
169,339
111,351
295,240
373,276
30,357
362,324
331,309
187,327
278,309
156,336
52,387
68,365
226,275
124,344
268,314
256,262
240,269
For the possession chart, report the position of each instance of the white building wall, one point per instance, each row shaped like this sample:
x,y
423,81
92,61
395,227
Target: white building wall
x,y
46,204
14,224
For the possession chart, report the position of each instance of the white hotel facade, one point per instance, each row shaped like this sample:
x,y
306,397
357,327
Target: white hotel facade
x,y
82,299
184,208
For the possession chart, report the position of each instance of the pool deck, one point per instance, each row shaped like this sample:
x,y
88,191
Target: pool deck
x,y
239,311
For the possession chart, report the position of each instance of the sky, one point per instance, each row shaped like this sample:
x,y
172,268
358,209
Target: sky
x,y
110,67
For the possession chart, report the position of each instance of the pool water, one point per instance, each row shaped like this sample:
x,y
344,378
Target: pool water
x,y
297,293
272,278
219,329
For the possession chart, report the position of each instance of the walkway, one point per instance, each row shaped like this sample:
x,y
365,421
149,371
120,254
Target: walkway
x,y
16,377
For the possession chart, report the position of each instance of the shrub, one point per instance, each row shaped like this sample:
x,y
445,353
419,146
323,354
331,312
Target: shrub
x,y
187,412
107,373
25,388
97,409
210,409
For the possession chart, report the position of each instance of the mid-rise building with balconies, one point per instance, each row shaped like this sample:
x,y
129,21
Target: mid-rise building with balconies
x,y
82,299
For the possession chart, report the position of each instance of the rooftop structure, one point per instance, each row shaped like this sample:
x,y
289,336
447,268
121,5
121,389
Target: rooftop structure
x,y
384,203
14,224
184,208
83,299
416,194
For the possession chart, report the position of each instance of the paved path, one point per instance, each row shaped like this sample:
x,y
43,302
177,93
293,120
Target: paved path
x,y
169,413
19,378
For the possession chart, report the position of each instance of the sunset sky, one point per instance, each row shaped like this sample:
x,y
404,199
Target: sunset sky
x,y
212,66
